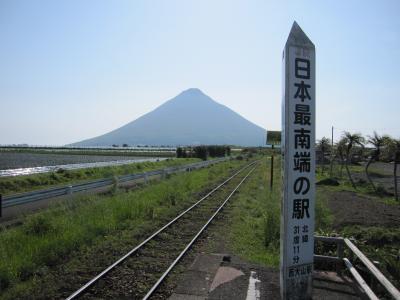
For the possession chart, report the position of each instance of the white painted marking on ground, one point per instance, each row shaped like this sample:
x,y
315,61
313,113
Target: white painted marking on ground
x,y
225,274
253,292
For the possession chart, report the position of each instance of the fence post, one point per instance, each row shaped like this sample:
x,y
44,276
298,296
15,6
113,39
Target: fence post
x,y
1,205
145,177
69,190
340,255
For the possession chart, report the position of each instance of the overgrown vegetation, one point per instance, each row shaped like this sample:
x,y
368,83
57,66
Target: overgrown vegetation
x,y
10,185
380,245
49,237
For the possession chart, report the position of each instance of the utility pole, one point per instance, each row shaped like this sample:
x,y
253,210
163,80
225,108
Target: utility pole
x,y
331,172
273,138
271,183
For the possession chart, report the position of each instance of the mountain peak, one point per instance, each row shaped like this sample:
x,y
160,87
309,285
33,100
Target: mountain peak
x,y
193,90
192,96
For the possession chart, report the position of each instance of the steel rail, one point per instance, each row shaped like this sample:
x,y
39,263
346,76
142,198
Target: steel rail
x,y
29,197
135,249
178,258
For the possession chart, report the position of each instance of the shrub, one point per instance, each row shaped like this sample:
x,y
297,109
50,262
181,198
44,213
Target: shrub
x,y
4,280
328,181
380,190
61,171
37,225
179,152
54,177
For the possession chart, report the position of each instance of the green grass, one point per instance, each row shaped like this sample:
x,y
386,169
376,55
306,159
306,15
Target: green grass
x,y
18,184
47,238
255,217
323,216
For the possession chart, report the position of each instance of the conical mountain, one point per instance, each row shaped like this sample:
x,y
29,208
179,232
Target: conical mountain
x,y
190,118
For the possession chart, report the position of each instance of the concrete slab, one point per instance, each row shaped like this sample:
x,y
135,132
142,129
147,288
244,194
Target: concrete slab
x,y
331,286
208,263
194,283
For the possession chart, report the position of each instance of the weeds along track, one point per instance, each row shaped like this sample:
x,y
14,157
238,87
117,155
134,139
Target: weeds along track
x,y
138,274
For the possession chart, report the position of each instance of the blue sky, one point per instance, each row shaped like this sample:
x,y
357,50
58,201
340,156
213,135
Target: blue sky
x,y
71,70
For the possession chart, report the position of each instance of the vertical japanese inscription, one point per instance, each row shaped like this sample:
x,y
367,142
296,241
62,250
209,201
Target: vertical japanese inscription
x,y
297,228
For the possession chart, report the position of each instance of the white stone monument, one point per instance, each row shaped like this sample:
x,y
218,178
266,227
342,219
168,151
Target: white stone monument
x,y
298,150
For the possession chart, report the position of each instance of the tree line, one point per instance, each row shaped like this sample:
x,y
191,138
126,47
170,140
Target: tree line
x,y
203,152
352,148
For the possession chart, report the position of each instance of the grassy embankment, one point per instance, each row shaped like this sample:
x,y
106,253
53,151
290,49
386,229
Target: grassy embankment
x,y
18,184
51,238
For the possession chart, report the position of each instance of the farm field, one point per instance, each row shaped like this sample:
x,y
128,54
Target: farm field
x,y
113,151
15,160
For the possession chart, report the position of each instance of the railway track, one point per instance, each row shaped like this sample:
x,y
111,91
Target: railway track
x,y
139,273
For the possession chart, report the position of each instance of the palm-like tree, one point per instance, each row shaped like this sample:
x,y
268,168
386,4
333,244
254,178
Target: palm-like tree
x,y
323,146
393,146
351,140
341,153
377,141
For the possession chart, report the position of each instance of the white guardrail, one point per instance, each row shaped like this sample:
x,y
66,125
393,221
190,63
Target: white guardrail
x,y
18,199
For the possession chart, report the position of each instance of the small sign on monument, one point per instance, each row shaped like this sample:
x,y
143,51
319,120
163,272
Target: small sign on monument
x,y
298,150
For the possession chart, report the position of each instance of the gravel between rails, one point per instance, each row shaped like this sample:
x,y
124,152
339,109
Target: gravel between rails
x,y
136,275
